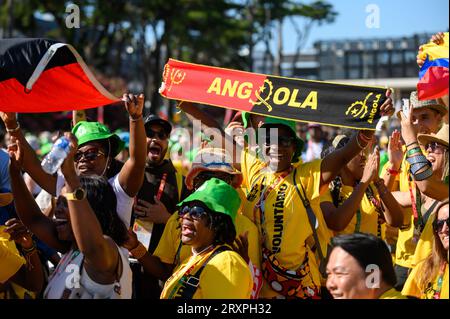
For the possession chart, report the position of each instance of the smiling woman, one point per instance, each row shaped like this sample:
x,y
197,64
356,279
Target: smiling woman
x,y
207,225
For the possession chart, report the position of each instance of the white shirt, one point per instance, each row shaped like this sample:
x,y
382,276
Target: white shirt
x,y
124,202
67,283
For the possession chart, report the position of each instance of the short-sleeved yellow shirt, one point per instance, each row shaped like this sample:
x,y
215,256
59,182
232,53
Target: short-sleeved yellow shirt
x,y
171,238
225,276
286,225
10,259
411,287
392,294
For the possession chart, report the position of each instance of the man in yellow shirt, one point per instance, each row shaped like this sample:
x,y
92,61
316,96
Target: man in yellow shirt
x,y
427,118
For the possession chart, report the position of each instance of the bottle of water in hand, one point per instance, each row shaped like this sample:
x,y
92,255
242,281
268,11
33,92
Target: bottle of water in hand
x,y
54,159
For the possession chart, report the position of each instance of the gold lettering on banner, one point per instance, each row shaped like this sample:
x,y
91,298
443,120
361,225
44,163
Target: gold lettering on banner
x,y
172,77
265,95
360,108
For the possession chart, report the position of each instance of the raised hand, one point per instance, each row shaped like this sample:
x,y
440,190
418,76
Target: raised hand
x,y
134,105
408,129
395,151
19,233
15,153
372,166
387,108
68,166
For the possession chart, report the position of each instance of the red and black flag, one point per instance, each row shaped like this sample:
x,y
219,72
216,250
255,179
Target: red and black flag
x,y
41,75
327,103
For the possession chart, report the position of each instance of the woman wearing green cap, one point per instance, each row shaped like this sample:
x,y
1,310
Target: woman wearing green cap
x,y
283,200
97,149
214,271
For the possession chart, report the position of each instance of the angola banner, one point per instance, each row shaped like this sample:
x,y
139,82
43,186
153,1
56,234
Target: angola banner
x,y
326,103
41,75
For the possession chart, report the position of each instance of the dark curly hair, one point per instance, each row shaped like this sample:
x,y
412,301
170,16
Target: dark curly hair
x,y
103,201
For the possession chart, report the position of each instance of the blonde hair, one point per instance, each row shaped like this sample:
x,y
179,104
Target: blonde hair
x,y
430,266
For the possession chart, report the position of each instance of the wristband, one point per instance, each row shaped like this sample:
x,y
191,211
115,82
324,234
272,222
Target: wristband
x,y
393,172
139,251
412,151
423,175
135,120
27,251
416,159
14,129
412,143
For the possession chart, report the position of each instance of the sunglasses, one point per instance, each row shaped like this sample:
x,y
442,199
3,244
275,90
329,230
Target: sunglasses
x,y
283,141
435,146
89,155
438,224
151,134
196,212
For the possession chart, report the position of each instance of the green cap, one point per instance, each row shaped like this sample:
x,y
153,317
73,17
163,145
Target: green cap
x,y
95,131
273,121
218,196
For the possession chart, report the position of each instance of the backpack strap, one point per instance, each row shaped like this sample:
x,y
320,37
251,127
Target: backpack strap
x,y
312,222
192,282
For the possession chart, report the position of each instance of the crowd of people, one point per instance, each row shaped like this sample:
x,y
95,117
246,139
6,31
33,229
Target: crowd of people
x,y
301,212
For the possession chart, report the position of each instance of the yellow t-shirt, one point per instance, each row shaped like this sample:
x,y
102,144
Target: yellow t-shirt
x,y
392,294
412,289
171,238
286,223
425,244
225,276
404,252
10,259
369,216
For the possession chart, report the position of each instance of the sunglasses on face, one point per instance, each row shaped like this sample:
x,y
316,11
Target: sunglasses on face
x,y
196,212
89,155
151,134
438,224
434,147
283,141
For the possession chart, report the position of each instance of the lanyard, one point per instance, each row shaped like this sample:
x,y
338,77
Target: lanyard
x,y
188,272
437,294
161,186
416,204
260,206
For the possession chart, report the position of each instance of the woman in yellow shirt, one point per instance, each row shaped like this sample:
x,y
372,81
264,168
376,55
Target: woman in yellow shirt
x,y
357,200
214,271
429,279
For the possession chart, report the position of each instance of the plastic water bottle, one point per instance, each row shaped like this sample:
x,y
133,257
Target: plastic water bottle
x,y
53,160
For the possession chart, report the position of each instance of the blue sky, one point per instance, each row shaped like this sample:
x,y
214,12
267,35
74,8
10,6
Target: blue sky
x,y
397,18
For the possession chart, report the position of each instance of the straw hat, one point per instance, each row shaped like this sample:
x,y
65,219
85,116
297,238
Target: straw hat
x,y
440,137
212,159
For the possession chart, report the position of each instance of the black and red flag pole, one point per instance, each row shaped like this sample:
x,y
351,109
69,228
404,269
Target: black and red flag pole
x,y
42,75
